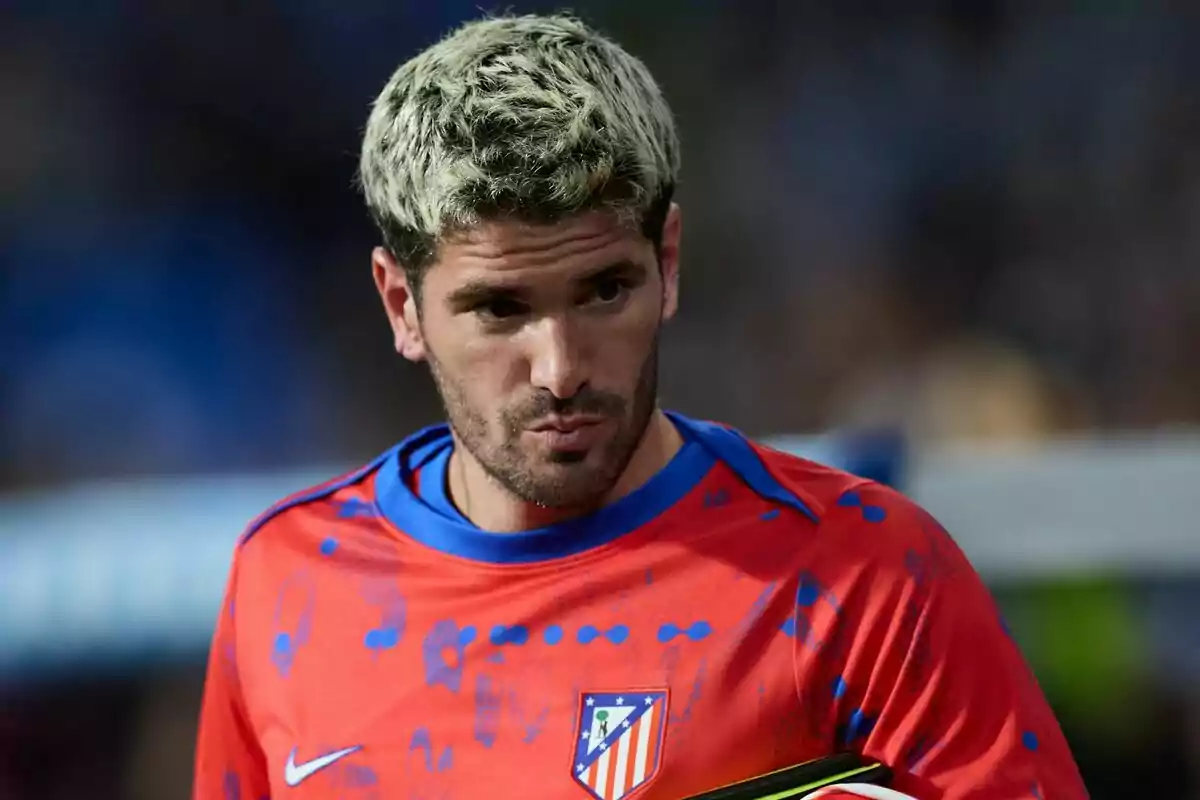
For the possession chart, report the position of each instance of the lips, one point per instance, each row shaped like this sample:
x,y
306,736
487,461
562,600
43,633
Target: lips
x,y
570,433
566,424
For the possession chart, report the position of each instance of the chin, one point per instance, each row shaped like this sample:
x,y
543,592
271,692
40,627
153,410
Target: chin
x,y
571,489
568,457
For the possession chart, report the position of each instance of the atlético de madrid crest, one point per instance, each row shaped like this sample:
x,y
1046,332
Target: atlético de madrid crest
x,y
618,741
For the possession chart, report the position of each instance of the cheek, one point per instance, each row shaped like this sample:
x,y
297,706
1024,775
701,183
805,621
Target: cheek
x,y
463,352
489,369
621,344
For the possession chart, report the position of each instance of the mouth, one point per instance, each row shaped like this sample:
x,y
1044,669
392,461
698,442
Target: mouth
x,y
568,424
573,433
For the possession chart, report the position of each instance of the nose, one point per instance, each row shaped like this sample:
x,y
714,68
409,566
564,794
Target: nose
x,y
556,360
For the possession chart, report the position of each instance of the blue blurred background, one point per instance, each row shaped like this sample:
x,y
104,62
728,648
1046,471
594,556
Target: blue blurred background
x,y
954,244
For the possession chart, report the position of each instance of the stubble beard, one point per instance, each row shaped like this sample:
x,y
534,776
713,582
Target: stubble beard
x,y
565,480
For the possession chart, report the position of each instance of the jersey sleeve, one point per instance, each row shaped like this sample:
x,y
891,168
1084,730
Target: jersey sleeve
x,y
922,670
229,762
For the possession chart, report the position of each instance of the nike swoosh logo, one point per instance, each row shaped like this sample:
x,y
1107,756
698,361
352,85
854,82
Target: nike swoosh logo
x,y
294,774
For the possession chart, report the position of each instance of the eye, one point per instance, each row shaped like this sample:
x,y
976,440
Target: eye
x,y
500,308
609,290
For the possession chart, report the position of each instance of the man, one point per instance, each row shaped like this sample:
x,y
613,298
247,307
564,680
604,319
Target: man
x,y
567,591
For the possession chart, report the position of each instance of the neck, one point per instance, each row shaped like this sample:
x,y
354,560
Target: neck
x,y
493,508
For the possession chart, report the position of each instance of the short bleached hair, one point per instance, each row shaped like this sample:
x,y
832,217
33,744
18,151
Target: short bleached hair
x,y
533,117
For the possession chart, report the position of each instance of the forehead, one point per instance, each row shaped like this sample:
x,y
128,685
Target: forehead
x,y
512,251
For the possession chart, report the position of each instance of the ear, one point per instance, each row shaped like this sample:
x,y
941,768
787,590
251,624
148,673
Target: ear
x,y
400,304
669,260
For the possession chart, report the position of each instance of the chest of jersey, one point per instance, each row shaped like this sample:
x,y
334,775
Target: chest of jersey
x,y
667,675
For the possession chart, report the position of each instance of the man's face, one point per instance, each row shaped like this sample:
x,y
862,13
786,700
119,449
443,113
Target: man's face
x,y
543,342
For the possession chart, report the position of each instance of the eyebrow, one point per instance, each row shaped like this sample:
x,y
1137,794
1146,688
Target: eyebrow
x,y
479,291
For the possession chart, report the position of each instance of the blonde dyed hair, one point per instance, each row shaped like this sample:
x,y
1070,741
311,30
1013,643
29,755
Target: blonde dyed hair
x,y
533,117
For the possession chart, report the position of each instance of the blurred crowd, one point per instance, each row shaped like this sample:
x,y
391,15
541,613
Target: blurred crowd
x,y
963,218
970,218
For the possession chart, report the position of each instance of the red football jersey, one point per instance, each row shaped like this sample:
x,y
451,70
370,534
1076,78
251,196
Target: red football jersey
x,y
743,611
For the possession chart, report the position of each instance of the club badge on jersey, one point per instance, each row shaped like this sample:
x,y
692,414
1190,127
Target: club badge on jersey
x,y
618,741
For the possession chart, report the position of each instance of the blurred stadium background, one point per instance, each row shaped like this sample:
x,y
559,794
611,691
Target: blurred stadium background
x,y
954,244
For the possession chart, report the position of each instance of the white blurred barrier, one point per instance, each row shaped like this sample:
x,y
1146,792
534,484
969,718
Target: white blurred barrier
x,y
1124,505
130,570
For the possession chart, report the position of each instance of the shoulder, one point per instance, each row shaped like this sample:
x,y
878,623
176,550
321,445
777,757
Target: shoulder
x,y
339,499
818,486
875,520
849,511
